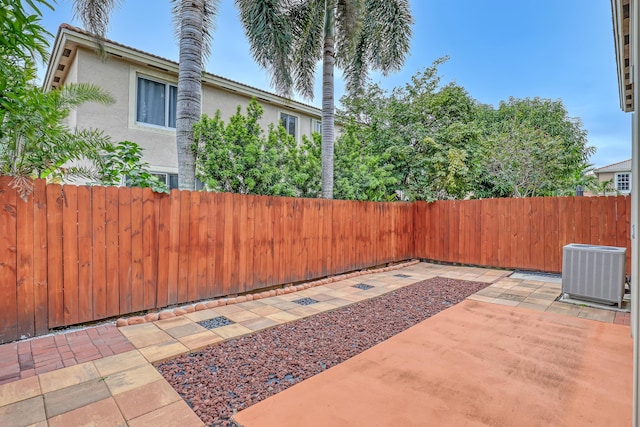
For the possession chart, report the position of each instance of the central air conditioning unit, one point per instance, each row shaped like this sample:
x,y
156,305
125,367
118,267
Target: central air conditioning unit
x,y
594,273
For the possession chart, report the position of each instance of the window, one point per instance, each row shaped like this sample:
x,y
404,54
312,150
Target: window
x,y
170,179
623,182
290,123
156,103
316,126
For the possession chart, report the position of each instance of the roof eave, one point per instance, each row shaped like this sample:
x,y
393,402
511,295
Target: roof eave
x,y
621,24
67,35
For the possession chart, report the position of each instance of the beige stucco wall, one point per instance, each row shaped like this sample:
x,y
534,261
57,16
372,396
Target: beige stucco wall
x,y
117,120
72,77
118,77
603,177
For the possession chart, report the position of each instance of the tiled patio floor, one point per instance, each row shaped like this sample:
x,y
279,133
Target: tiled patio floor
x,y
27,358
124,387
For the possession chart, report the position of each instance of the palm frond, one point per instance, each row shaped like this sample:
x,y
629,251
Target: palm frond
x,y
349,21
308,24
95,15
356,70
388,25
269,33
72,95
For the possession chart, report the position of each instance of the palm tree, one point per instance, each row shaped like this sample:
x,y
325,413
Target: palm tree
x,y
194,23
289,38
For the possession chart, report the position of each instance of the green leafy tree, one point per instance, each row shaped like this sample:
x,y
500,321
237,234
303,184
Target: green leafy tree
x,y
531,147
522,162
301,162
289,38
34,139
425,130
361,174
124,162
194,20
237,157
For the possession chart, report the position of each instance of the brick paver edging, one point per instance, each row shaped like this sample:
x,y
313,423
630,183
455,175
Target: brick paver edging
x,y
167,314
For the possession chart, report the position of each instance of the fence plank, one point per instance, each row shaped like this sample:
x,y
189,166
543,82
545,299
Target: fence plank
x,y
8,262
212,221
24,268
98,260
594,221
135,243
582,213
203,241
220,248
70,254
552,246
112,255
234,283
163,250
287,232
623,227
297,243
150,214
243,250
328,257
278,245
183,250
40,256
537,221
125,262
228,262
611,233
194,245
174,247
250,242
85,256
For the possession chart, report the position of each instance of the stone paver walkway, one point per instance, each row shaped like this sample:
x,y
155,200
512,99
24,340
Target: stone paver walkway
x,y
27,358
124,388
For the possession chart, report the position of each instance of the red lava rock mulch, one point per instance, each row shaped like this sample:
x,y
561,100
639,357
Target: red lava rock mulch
x,y
226,378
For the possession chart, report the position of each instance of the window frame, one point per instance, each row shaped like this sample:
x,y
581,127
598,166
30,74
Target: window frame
x,y
315,125
167,107
627,181
296,134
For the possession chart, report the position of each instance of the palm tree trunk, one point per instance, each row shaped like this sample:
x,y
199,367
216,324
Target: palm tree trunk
x,y
328,109
188,107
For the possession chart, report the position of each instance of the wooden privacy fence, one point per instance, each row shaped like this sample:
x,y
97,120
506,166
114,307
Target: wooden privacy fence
x,y
71,255
525,233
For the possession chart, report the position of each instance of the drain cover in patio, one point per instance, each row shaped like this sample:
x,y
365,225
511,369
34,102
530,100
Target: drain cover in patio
x,y
404,276
305,301
363,286
216,322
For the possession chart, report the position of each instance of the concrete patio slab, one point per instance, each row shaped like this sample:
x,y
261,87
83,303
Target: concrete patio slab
x,y
473,364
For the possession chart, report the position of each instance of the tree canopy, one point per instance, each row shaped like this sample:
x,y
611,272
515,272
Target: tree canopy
x,y
422,141
290,38
443,144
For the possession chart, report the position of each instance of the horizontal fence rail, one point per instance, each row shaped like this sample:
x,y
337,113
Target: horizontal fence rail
x,y
76,254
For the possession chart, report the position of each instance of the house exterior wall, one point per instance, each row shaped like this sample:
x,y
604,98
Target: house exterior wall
x,y
118,76
606,176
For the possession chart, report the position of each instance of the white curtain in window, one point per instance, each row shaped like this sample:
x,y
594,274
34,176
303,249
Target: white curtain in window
x,y
151,102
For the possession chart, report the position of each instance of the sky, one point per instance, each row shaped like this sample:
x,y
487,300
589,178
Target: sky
x,y
555,49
